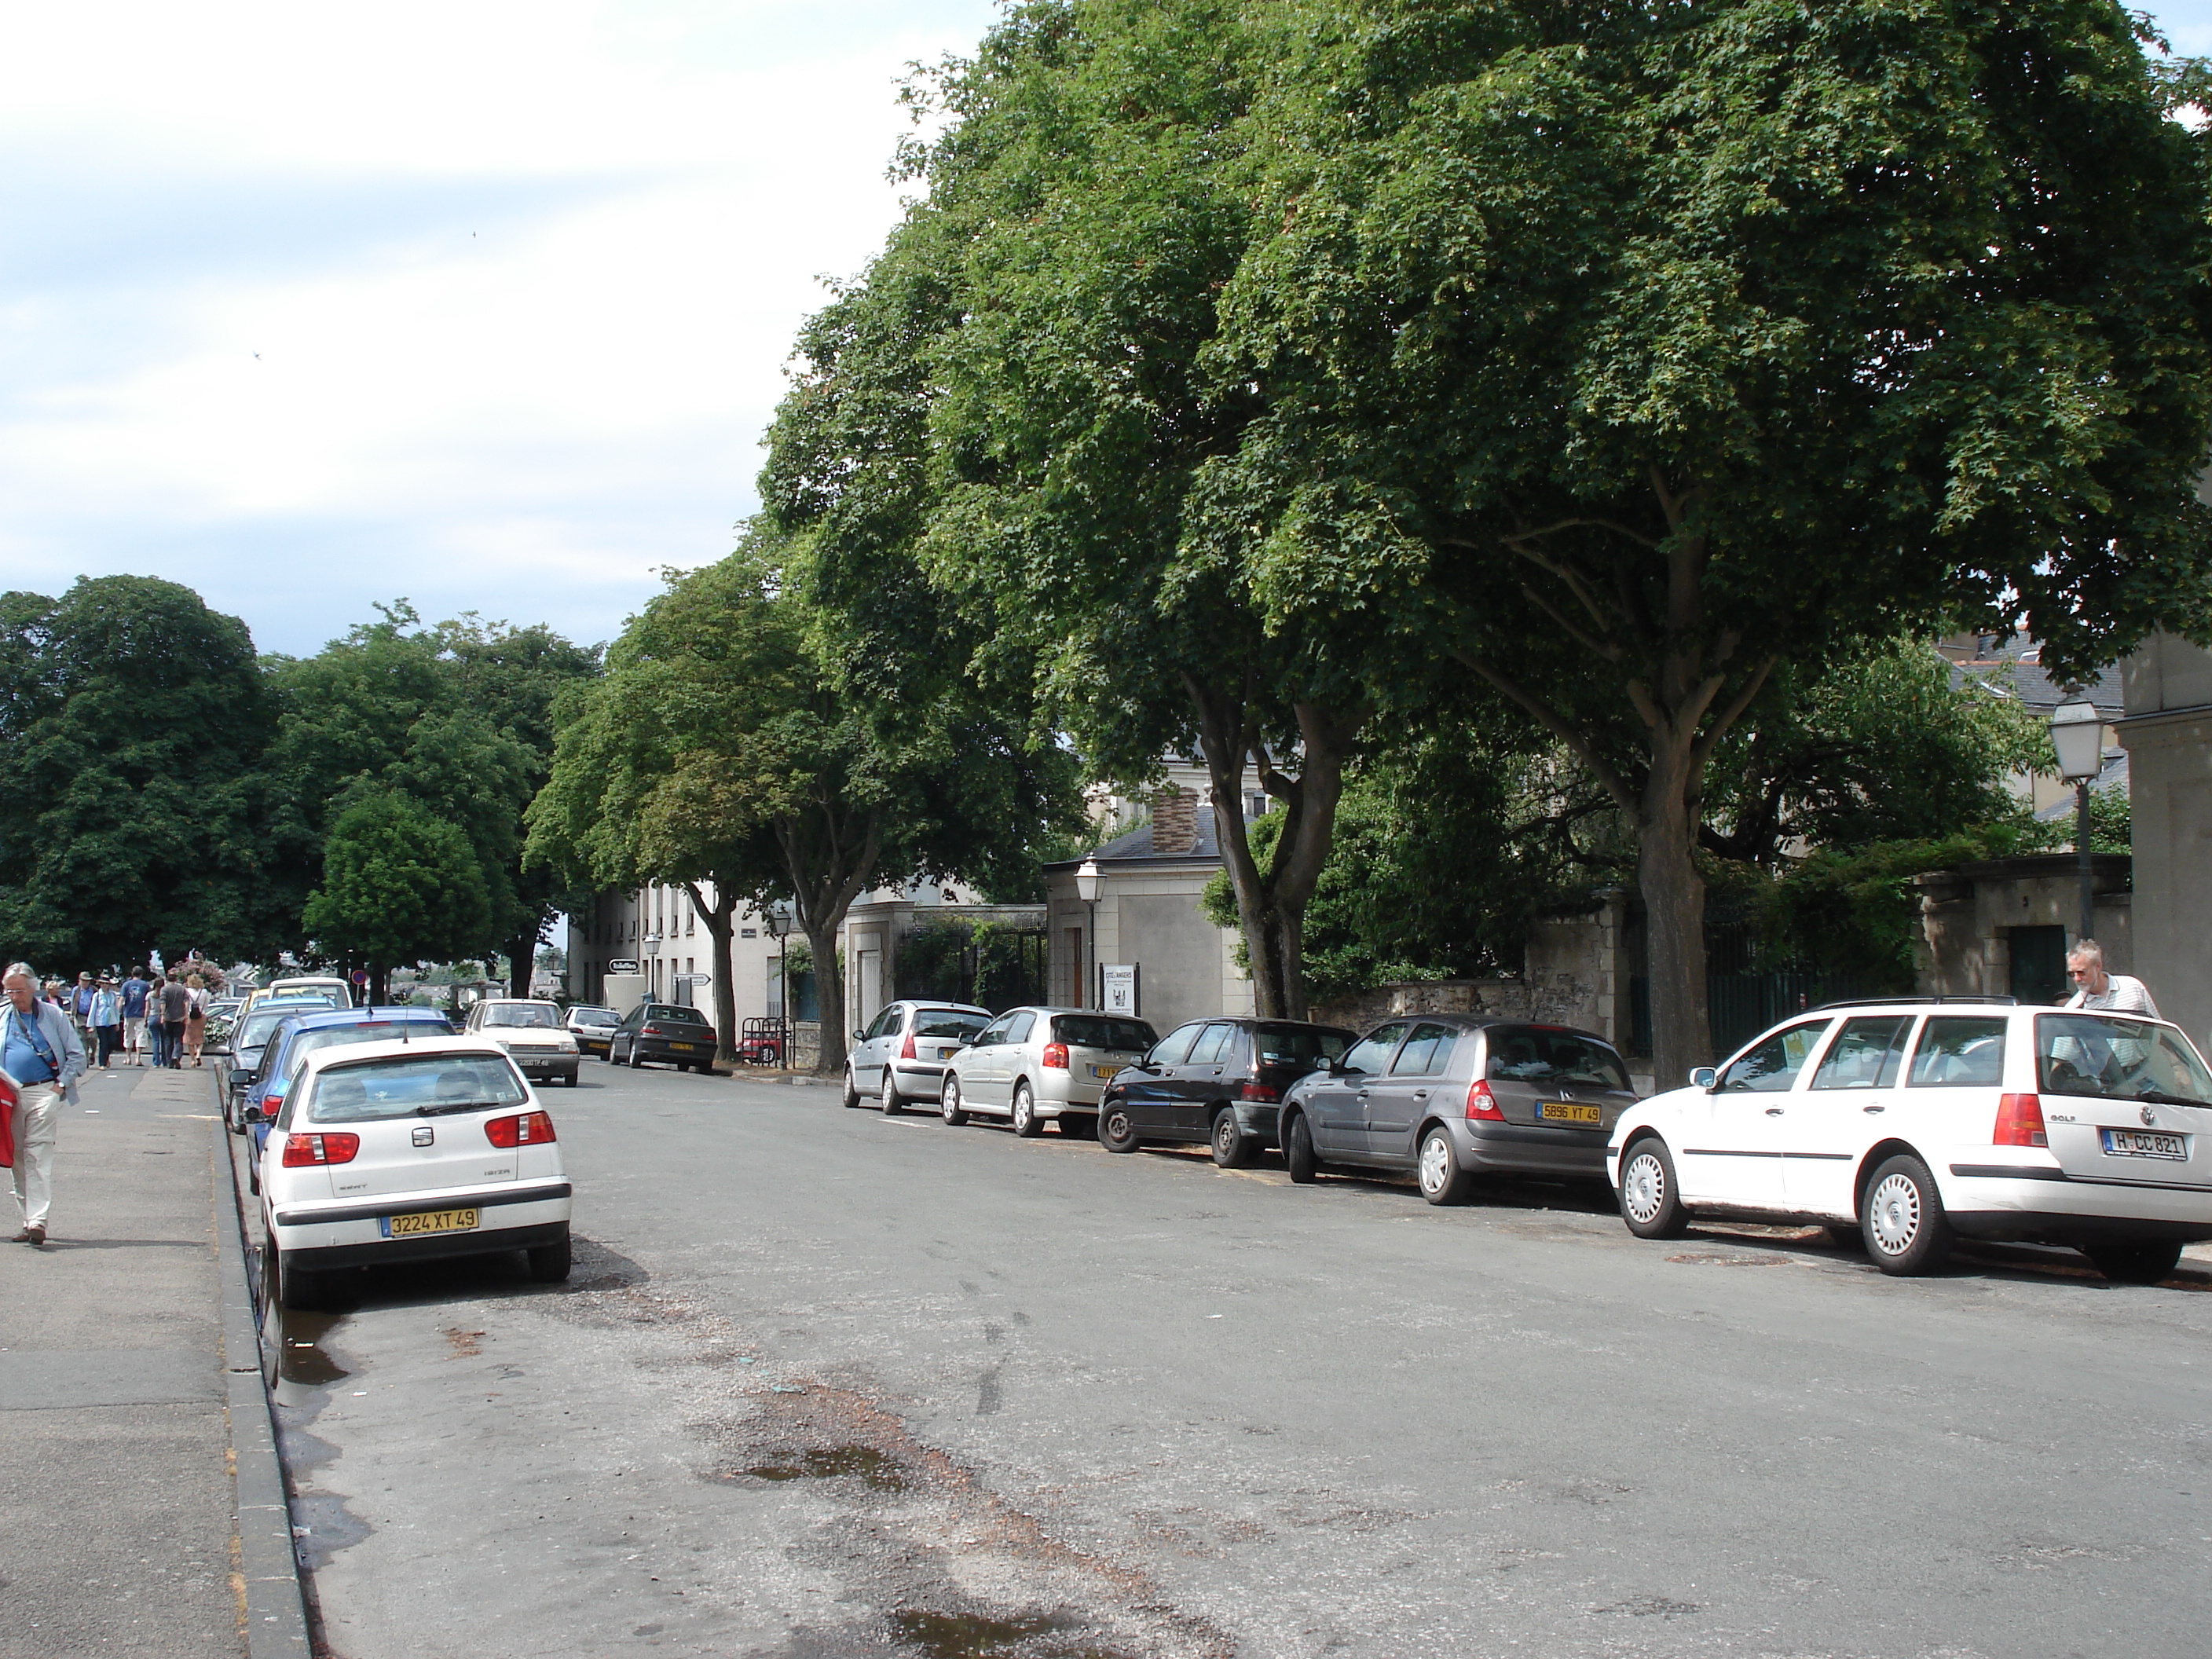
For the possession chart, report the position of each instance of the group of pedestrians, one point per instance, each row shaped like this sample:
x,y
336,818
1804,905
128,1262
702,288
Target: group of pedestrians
x,y
156,1020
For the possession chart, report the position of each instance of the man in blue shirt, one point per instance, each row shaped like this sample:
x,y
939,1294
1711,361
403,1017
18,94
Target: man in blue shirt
x,y
134,1014
41,1050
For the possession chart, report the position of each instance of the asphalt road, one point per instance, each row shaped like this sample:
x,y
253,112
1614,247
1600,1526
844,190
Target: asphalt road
x,y
825,1384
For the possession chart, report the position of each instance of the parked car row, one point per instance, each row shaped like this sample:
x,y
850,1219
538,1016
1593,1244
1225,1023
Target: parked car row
x,y
1901,1125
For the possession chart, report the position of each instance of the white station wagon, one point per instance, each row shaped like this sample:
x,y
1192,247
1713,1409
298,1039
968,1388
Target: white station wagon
x,y
1913,1121
409,1151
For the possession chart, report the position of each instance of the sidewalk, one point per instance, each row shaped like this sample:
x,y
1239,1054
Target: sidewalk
x,y
118,1528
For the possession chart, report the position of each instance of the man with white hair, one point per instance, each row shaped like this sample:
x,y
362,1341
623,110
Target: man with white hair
x,y
2095,988
41,1050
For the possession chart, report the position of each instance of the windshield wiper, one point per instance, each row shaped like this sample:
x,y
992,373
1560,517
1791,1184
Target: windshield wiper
x,y
2165,1099
450,1107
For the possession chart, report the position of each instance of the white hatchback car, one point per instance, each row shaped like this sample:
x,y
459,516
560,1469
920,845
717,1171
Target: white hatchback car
x,y
1031,1064
1911,1122
532,1034
409,1151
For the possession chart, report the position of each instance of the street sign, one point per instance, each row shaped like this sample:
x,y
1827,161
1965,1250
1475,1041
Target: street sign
x,y
623,966
1117,986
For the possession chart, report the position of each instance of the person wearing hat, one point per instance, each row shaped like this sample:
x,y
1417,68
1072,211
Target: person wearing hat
x,y
106,1019
42,1051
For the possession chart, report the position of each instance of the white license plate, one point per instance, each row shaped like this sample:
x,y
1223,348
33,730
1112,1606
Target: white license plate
x,y
1105,1070
2136,1143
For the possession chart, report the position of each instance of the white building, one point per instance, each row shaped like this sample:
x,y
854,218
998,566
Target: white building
x,y
657,927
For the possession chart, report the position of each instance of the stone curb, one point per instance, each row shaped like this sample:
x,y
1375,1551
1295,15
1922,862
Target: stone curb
x,y
275,1613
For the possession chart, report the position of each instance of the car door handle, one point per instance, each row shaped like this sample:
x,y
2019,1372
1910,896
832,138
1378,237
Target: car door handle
x,y
1420,1094
1874,1108
1774,1111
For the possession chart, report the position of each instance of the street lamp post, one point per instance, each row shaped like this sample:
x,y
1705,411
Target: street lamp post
x,y
1087,889
780,918
2077,733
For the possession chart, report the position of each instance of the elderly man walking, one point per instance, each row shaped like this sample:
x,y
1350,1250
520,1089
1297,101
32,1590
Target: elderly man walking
x,y
41,1050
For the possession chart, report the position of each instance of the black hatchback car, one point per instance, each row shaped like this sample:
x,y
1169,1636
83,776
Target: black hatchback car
x,y
664,1031
1450,1095
1214,1080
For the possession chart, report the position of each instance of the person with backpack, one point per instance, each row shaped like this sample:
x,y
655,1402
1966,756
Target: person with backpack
x,y
134,1016
41,1049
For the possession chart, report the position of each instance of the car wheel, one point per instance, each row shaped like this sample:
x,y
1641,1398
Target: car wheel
x,y
1079,1125
887,1097
1116,1134
2135,1261
1651,1199
1298,1150
548,1263
948,1103
1443,1181
1027,1124
1905,1229
1232,1147
636,1059
852,1090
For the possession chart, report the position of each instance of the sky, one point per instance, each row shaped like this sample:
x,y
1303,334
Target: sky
x,y
479,303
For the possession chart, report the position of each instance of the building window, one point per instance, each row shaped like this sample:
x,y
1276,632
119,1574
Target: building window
x,y
691,921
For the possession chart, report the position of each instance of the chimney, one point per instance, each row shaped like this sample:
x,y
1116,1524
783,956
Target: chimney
x,y
1174,821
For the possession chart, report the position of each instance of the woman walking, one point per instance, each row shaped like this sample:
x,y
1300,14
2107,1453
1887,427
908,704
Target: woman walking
x,y
196,1019
105,1019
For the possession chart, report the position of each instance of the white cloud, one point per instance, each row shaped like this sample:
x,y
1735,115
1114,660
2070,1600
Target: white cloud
x,y
484,303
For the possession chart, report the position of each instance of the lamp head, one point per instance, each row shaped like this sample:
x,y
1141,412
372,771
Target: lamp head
x,y
2077,733
1087,881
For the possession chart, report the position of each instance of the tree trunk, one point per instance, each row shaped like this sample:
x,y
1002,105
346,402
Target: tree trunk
x,y
1271,905
720,920
1675,922
380,985
829,854
522,959
830,995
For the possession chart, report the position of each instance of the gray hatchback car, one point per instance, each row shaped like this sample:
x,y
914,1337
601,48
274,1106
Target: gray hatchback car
x,y
1449,1097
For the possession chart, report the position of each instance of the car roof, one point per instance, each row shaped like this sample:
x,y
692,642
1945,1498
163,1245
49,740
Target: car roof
x,y
322,1018
1492,1022
353,1053
921,1007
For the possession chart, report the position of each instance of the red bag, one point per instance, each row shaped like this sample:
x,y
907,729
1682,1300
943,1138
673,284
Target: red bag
x,y
11,1094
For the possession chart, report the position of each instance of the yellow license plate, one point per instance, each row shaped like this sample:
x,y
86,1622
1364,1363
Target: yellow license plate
x,y
1108,1072
429,1221
686,1046
1567,1111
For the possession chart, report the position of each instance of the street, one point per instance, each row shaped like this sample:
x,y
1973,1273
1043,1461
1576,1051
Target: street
x,y
829,1384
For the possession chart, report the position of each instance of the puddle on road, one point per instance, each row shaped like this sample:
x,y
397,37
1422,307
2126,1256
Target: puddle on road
x,y
299,1355
827,1463
975,1636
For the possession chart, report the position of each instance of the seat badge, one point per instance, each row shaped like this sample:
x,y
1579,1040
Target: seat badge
x,y
425,1136
2150,1122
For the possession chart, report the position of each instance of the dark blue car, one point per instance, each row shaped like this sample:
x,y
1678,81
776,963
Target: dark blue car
x,y
300,1035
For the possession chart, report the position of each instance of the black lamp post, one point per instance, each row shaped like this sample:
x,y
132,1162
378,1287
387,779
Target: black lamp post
x,y
1087,889
2077,733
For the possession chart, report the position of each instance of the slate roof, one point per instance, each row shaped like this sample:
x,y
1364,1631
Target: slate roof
x,y
1136,847
2012,667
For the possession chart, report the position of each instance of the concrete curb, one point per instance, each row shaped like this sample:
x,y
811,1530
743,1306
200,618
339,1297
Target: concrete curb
x,y
275,1613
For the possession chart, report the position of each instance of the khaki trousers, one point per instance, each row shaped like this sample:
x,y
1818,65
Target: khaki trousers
x,y
34,1152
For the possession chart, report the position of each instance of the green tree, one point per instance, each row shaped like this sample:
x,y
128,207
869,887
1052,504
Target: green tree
x,y
719,749
133,725
1632,352
399,885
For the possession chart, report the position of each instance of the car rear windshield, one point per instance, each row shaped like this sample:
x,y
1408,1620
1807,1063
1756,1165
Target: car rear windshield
x,y
673,1015
1525,1054
534,1015
413,1085
595,1016
1096,1031
947,1022
2118,1059
1298,1045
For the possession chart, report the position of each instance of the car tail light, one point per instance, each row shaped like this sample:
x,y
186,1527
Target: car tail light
x,y
1481,1104
1256,1091
651,1030
2020,1121
272,1104
527,1130
305,1151
1056,1056
906,1048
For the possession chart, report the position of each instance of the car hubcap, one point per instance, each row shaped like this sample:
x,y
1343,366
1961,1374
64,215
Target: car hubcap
x,y
1644,1188
1224,1133
951,1103
1436,1164
1894,1209
1021,1110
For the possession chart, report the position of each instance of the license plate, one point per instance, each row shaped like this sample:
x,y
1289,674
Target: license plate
x,y
1105,1070
1568,1111
686,1046
2134,1143
429,1221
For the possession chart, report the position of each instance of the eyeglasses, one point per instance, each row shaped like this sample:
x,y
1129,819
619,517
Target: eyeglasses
x,y
2077,973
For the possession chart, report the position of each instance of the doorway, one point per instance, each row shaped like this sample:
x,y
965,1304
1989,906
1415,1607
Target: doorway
x,y
2038,963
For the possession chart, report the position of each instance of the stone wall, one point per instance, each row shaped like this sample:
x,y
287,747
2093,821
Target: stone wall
x,y
1968,916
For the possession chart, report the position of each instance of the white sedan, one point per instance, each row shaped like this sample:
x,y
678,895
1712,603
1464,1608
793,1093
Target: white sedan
x,y
409,1151
1909,1122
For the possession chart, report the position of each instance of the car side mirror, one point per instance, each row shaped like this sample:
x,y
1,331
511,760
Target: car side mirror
x,y
859,1036
1704,1078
